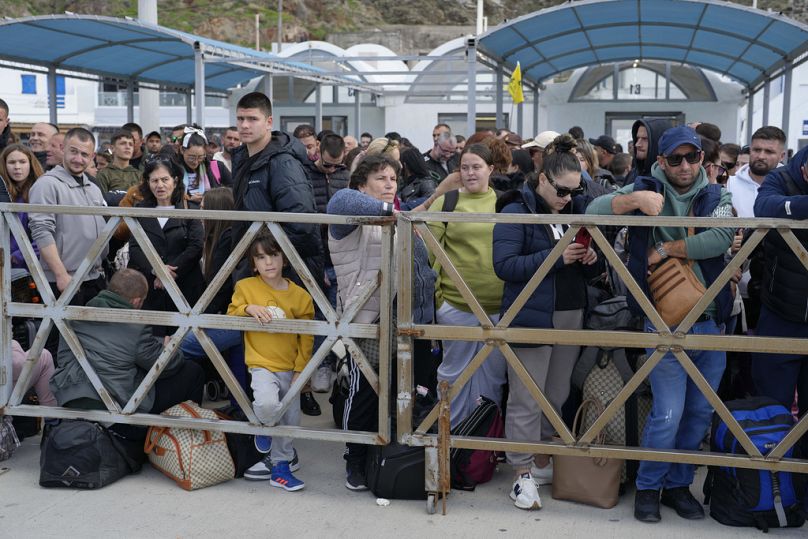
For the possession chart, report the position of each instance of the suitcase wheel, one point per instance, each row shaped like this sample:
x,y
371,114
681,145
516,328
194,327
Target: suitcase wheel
x,y
431,503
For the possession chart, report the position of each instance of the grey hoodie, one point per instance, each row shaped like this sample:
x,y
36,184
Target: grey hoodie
x,y
72,234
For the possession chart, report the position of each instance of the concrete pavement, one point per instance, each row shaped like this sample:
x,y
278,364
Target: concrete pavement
x,y
150,505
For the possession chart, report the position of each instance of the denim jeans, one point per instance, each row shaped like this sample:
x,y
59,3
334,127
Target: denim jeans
x,y
226,340
681,415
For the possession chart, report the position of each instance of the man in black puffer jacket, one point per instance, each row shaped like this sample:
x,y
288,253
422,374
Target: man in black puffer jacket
x,y
268,175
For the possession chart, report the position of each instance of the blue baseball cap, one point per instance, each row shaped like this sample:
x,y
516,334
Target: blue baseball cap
x,y
677,136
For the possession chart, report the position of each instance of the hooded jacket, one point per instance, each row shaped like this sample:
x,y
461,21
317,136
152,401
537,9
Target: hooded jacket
x,y
4,136
744,191
72,234
784,195
654,128
120,354
276,181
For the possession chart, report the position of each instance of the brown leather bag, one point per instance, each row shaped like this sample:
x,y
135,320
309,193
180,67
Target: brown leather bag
x,y
590,480
675,289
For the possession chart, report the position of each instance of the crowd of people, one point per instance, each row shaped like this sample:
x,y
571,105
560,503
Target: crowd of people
x,y
666,170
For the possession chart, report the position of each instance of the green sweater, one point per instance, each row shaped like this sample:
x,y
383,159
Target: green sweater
x,y
709,243
470,247
113,178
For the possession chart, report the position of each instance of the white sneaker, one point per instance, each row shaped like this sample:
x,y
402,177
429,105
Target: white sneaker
x,y
323,379
542,476
525,493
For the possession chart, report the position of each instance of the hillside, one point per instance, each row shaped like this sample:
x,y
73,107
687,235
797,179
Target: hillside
x,y
234,21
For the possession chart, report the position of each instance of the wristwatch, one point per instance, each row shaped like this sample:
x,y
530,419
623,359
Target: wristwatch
x,y
660,249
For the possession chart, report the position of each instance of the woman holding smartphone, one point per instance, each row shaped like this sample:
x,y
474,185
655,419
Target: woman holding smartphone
x,y
558,302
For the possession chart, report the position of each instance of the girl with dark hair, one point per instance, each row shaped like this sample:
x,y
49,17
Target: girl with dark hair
x,y
715,169
356,252
415,179
178,242
468,246
19,169
200,174
558,302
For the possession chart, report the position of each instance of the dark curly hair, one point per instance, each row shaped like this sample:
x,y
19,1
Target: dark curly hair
x,y
168,160
369,165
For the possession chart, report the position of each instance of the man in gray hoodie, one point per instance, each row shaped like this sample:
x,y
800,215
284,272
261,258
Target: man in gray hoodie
x,y
64,240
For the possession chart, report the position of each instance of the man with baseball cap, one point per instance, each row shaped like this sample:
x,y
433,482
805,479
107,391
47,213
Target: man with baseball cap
x,y
537,145
681,415
606,148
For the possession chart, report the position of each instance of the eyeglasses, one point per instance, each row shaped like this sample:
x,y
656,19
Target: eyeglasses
x,y
562,192
721,168
729,166
691,157
194,158
332,166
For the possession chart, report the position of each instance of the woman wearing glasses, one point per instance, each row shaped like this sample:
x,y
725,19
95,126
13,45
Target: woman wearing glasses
x,y
200,174
468,246
558,302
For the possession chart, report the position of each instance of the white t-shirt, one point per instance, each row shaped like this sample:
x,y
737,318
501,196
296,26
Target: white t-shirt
x,y
164,220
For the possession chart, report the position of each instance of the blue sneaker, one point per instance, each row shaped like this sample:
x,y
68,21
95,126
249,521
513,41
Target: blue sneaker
x,y
263,444
282,477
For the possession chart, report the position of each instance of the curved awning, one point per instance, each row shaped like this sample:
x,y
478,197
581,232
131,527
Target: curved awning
x,y
128,49
749,45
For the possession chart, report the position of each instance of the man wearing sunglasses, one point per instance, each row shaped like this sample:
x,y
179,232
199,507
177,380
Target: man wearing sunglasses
x,y
677,186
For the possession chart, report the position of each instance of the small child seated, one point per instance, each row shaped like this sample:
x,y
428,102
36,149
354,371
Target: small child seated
x,y
274,360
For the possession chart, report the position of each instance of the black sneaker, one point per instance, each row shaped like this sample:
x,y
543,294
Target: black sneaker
x,y
646,506
355,479
682,501
308,404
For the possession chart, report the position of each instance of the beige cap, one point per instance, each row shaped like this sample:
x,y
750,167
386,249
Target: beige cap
x,y
542,140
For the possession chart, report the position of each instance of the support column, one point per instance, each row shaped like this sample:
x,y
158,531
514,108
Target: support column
x,y
357,114
130,101
199,83
766,98
500,96
785,123
148,99
268,86
52,114
6,334
318,108
471,61
750,114
667,81
520,118
535,111
189,109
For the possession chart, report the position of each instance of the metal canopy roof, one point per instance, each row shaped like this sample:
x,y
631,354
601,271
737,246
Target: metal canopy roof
x,y
129,49
746,44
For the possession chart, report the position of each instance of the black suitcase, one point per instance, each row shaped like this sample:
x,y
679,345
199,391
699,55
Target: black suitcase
x,y
396,472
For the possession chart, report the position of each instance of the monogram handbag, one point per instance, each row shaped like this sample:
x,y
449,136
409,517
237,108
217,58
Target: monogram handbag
x,y
675,289
193,458
589,480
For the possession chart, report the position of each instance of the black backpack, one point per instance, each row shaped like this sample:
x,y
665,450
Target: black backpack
x,y
754,498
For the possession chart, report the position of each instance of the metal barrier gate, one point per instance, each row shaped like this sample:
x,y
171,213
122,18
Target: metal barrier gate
x,y
396,258
189,318
500,335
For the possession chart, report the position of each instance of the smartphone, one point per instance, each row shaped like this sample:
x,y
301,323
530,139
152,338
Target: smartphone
x,y
583,237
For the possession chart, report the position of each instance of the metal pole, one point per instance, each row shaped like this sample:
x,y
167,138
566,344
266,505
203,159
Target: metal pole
x,y
268,86
750,114
318,108
199,83
52,95
471,60
500,96
357,114
148,100
667,81
280,26
130,100
786,123
6,367
615,81
257,31
536,111
766,97
520,118
189,109
480,18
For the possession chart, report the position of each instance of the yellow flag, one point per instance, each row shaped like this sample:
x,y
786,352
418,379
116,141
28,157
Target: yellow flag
x,y
515,85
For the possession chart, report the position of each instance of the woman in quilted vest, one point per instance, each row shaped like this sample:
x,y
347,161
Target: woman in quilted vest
x,y
356,252
558,302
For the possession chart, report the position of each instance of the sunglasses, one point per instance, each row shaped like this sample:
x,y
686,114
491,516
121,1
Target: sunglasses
x,y
721,168
332,166
729,166
676,160
562,192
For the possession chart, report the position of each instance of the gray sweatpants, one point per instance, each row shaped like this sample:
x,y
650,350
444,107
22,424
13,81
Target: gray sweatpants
x,y
551,368
487,380
269,389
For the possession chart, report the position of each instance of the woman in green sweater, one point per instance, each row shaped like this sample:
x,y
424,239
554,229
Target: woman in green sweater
x,y
470,248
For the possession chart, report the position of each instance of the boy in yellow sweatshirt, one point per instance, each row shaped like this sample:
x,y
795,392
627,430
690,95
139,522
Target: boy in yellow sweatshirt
x,y
274,360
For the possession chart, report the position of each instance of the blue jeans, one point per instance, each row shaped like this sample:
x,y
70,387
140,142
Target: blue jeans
x,y
680,415
226,340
